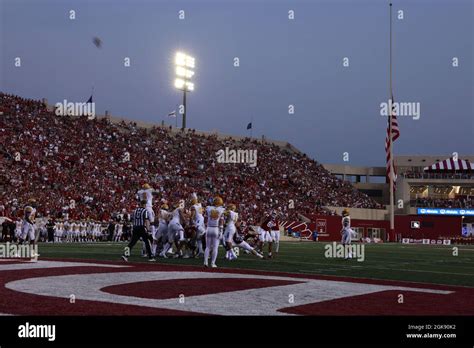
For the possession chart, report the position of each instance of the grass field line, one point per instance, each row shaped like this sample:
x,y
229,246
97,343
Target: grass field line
x,y
408,248
366,267
408,261
421,262
423,271
309,272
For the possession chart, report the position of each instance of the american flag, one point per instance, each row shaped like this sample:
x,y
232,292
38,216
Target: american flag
x,y
392,119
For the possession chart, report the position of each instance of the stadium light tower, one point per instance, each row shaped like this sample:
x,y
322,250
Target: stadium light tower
x,y
184,72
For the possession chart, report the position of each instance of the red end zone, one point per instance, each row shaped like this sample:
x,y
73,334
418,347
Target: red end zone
x,y
72,287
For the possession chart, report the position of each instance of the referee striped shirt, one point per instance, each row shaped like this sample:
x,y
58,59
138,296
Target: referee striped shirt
x,y
139,216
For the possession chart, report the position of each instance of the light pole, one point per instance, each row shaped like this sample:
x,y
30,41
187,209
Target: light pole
x,y
184,64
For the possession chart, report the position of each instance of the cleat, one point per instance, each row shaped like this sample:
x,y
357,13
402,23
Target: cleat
x,y
125,258
152,260
214,265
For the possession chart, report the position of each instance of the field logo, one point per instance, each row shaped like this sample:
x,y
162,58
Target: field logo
x,y
410,109
75,109
37,331
348,251
24,251
237,156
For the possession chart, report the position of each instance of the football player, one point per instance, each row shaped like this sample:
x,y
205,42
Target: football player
x,y
230,220
76,230
161,234
83,231
266,226
274,226
146,193
197,222
18,224
118,232
175,229
67,231
346,232
238,241
215,225
28,224
58,231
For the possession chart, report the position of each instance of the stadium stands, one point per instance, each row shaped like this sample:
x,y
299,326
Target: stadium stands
x,y
92,168
458,202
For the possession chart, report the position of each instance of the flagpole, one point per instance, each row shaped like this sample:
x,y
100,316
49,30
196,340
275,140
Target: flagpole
x,y
392,208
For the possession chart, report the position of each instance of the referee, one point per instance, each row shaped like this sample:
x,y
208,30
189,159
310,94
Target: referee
x,y
141,226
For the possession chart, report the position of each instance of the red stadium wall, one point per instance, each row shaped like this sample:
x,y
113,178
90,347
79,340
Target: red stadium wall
x,y
329,227
431,227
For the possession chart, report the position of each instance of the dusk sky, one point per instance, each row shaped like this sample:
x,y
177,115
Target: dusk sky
x,y
282,62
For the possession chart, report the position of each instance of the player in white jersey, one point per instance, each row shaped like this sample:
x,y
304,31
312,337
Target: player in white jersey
x,y
67,230
146,194
215,223
346,232
118,232
230,220
175,229
197,222
98,231
76,231
90,230
83,231
58,231
18,224
232,236
161,234
94,231
28,223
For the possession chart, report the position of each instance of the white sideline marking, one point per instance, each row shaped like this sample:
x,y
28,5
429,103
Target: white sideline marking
x,y
263,301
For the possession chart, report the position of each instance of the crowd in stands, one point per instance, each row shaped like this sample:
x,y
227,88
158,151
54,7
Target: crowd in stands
x,y
82,168
458,202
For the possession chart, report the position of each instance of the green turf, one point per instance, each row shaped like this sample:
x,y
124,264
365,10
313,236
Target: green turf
x,y
416,263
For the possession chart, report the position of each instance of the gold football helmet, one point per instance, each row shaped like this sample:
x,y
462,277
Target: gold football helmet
x,y
218,201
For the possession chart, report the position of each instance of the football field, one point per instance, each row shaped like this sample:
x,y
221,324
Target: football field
x,y
91,279
434,264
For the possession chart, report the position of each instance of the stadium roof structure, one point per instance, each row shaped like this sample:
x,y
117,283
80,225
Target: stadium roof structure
x,y
450,164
